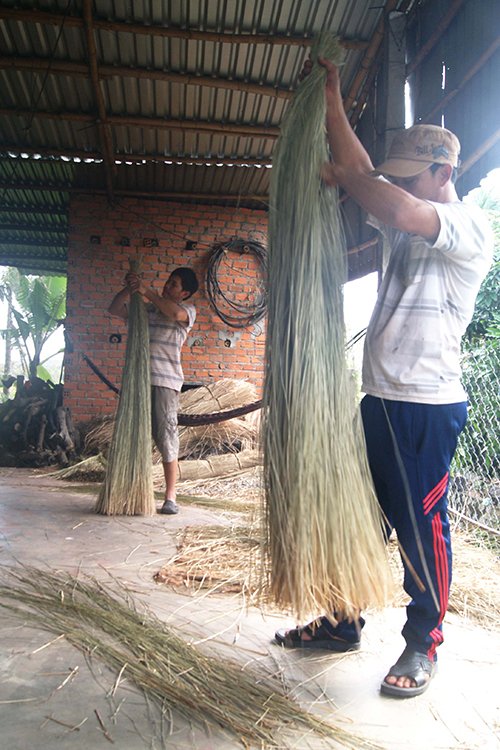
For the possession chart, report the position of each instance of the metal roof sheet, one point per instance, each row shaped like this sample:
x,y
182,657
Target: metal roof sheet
x,y
191,95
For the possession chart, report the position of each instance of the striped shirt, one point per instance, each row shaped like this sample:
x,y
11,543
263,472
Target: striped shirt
x,y
166,338
425,303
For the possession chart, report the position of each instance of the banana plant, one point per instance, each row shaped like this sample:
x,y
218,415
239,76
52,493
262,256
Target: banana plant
x,y
38,309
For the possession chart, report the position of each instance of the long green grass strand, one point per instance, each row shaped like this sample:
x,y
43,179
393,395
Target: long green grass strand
x,y
324,540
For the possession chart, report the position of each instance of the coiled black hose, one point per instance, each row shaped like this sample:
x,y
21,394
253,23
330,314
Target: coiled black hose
x,y
237,314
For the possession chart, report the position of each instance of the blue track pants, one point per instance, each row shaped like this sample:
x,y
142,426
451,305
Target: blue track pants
x,y
410,448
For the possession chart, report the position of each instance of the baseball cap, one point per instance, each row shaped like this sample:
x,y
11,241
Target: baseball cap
x,y
413,150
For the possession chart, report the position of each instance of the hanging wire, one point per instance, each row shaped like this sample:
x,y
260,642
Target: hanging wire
x,y
234,312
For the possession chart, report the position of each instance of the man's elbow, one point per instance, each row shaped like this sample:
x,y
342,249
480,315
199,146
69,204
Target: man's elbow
x,y
424,222
117,313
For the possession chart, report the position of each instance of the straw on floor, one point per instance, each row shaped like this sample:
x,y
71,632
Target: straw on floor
x,y
324,542
128,486
222,560
171,672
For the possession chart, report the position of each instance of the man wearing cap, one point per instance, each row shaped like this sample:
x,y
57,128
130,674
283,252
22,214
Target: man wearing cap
x,y
415,407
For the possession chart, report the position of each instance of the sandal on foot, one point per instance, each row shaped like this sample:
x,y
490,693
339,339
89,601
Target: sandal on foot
x,y
413,664
169,508
323,636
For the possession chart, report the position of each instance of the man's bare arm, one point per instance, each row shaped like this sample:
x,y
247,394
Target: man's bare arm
x,y
352,169
118,306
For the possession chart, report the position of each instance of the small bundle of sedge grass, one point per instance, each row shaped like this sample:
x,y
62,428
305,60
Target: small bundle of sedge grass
x,y
128,486
324,548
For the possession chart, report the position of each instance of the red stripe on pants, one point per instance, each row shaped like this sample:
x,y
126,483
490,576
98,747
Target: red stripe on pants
x,y
442,571
435,494
442,578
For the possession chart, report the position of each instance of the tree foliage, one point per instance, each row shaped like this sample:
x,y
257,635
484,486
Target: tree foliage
x,y
37,307
485,323
479,446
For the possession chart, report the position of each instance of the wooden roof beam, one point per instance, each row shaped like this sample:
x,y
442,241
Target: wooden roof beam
x,y
365,92
369,58
58,19
479,152
254,131
434,39
443,25
131,192
59,187
67,67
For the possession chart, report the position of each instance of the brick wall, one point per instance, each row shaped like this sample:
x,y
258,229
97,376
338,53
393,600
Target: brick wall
x,y
98,258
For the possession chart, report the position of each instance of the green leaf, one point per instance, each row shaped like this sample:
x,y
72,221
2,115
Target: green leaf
x,y
23,325
43,373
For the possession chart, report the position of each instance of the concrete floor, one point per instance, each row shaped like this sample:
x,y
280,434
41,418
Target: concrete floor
x,y
45,522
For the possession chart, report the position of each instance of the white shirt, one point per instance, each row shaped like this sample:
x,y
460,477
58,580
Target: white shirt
x,y
166,338
425,303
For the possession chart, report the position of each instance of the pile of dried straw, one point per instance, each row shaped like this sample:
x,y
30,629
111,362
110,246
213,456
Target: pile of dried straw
x,y
197,442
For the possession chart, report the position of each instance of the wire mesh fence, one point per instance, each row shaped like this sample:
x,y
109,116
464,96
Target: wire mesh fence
x,y
475,477
474,492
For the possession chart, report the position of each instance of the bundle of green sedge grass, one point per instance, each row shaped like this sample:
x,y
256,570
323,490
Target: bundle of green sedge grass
x,y
128,486
172,673
324,547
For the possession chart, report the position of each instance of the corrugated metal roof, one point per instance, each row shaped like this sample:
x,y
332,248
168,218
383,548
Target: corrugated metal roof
x,y
190,95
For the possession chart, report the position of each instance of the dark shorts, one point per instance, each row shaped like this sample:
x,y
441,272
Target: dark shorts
x,y
164,408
